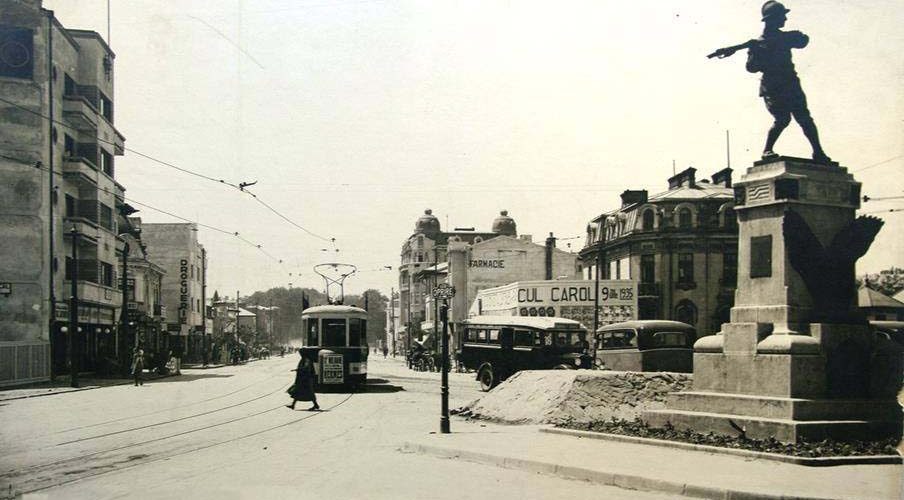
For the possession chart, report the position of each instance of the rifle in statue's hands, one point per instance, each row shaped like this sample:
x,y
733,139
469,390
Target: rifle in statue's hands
x,y
729,51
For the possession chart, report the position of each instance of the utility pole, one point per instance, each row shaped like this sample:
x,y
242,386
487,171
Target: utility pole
x,y
444,292
124,313
73,310
392,332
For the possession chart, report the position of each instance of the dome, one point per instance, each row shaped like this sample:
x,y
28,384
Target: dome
x,y
427,224
505,225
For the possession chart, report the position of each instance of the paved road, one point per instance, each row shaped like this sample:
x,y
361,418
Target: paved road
x,y
224,433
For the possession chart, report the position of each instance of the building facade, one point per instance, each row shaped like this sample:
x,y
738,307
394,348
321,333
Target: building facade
x,y
145,312
175,248
58,191
679,245
426,247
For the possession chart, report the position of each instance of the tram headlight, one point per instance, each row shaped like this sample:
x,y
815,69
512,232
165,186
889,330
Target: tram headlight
x,y
577,361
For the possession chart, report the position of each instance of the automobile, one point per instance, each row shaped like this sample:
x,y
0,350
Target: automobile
x,y
646,346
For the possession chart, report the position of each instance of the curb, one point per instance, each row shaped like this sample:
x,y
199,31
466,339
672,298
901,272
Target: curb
x,y
625,481
790,459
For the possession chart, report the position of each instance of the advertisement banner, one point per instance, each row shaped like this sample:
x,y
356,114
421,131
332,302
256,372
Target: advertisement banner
x,y
572,299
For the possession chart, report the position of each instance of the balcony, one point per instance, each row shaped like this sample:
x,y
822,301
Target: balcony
x,y
80,170
649,289
79,112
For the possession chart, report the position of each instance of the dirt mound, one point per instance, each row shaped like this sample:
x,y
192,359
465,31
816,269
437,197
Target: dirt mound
x,y
559,396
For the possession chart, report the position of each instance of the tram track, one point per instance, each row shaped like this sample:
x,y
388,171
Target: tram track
x,y
138,459
164,410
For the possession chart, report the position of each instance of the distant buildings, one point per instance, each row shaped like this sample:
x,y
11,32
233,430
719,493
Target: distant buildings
x,y
175,248
58,186
494,258
680,245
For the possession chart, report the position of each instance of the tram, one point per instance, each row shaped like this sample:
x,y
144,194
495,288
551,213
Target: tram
x,y
335,335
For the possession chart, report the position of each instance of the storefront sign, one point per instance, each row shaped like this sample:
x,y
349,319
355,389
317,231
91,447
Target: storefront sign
x,y
487,263
183,291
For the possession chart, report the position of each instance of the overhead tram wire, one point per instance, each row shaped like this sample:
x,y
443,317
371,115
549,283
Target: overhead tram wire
x,y
238,187
145,205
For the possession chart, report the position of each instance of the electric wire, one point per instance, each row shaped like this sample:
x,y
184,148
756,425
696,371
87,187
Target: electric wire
x,y
170,165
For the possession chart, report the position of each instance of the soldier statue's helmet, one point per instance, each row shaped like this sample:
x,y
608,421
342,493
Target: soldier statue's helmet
x,y
773,9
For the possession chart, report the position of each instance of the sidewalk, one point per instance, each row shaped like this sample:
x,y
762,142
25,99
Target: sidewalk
x,y
653,468
61,386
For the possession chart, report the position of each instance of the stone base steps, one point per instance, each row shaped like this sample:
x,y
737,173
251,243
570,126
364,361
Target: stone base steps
x,y
785,408
784,430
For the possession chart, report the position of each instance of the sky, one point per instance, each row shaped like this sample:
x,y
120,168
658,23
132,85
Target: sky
x,y
355,116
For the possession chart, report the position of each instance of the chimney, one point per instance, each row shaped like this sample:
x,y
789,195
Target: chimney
x,y
550,244
684,178
633,196
723,177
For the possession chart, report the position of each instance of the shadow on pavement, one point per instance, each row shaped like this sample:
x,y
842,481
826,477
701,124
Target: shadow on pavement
x,y
189,378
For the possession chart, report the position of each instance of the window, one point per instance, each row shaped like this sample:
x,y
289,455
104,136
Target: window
x,y
313,330
106,274
684,218
106,217
357,332
333,332
618,339
647,268
70,206
106,162
524,338
686,312
68,85
685,267
68,146
470,335
494,336
481,335
106,107
647,221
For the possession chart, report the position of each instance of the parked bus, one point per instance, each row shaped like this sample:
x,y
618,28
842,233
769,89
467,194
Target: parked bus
x,y
646,346
498,346
335,341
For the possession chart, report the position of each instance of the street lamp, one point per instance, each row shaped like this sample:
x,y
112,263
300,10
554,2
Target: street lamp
x,y
73,310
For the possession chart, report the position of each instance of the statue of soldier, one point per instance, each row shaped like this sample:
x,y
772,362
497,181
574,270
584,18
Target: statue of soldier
x,y
779,87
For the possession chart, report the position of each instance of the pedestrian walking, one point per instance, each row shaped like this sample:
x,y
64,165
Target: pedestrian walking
x,y
303,388
138,365
385,351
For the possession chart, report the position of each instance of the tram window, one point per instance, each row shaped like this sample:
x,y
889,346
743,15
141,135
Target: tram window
x,y
333,332
538,338
312,330
470,335
481,335
494,336
356,331
524,338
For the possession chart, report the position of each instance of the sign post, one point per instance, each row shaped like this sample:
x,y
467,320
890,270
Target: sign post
x,y
445,292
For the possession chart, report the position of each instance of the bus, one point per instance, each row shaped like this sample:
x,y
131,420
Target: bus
x,y
646,346
335,340
498,346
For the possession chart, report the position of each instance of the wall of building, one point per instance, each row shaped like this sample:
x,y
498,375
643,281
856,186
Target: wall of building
x,y
175,248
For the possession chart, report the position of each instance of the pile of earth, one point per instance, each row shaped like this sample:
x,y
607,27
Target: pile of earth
x,y
575,396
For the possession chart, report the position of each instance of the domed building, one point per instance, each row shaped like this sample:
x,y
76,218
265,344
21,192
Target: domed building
x,y
423,256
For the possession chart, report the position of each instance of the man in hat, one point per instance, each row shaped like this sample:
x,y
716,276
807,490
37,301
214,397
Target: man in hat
x,y
779,87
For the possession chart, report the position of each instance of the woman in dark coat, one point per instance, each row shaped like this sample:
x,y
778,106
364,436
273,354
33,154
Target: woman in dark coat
x,y
303,389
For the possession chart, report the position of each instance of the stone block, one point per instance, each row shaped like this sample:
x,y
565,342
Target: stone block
x,y
742,338
766,375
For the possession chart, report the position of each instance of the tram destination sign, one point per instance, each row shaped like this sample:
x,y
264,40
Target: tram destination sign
x,y
443,291
332,369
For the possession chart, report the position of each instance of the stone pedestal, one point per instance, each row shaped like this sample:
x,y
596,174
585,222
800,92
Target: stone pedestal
x,y
771,371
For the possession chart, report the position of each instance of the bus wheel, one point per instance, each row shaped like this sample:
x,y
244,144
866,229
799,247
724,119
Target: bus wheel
x,y
486,377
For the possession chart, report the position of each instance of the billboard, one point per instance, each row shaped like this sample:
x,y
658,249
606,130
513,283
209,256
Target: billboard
x,y
572,299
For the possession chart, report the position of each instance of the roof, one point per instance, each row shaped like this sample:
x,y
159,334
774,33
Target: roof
x,y
528,321
333,309
701,191
644,324
867,297
244,313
